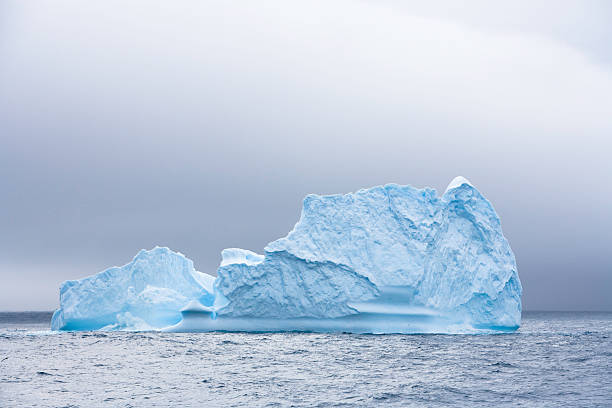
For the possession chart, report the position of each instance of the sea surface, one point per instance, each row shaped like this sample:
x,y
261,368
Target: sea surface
x,y
555,359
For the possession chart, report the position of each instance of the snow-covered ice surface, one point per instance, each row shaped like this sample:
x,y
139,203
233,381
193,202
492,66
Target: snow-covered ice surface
x,y
389,259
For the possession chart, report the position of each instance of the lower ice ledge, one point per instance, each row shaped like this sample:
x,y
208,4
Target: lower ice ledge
x,y
393,311
371,323
390,313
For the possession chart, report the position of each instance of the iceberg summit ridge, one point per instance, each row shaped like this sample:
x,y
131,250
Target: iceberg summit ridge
x,y
387,259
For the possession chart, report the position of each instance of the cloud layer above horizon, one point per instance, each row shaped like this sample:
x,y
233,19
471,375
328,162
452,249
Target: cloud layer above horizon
x,y
202,125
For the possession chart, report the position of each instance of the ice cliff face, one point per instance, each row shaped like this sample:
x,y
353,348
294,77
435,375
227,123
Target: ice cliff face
x,y
281,285
386,259
148,292
449,254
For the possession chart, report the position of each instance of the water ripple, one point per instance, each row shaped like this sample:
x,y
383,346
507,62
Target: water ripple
x,y
553,360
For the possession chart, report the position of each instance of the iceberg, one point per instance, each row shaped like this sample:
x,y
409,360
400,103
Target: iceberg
x,y
388,259
145,294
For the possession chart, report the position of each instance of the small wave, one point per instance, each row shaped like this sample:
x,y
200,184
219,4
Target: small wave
x,y
563,393
453,390
300,351
94,334
16,380
503,364
578,359
385,396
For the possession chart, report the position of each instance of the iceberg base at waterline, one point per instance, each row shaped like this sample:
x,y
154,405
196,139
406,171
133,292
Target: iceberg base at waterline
x,y
388,259
384,315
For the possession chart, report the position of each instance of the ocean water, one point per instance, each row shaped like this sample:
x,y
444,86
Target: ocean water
x,y
555,359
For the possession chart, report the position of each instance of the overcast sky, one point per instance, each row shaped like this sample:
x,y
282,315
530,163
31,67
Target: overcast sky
x,y
201,125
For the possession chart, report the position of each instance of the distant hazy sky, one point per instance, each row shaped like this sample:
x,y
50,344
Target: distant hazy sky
x,y
200,125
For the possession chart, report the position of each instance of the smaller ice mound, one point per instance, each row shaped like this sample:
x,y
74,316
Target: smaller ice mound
x,y
147,293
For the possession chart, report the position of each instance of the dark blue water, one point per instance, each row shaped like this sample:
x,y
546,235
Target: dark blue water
x,y
555,359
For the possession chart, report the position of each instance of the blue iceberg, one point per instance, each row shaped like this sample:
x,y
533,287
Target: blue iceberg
x,y
147,293
389,259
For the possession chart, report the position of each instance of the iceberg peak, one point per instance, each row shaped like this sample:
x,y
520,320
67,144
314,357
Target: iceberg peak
x,y
458,182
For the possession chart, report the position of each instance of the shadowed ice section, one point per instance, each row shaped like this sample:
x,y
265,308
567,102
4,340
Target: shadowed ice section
x,y
389,259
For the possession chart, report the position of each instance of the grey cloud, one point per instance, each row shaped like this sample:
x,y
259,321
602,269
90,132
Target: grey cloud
x,y
201,126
